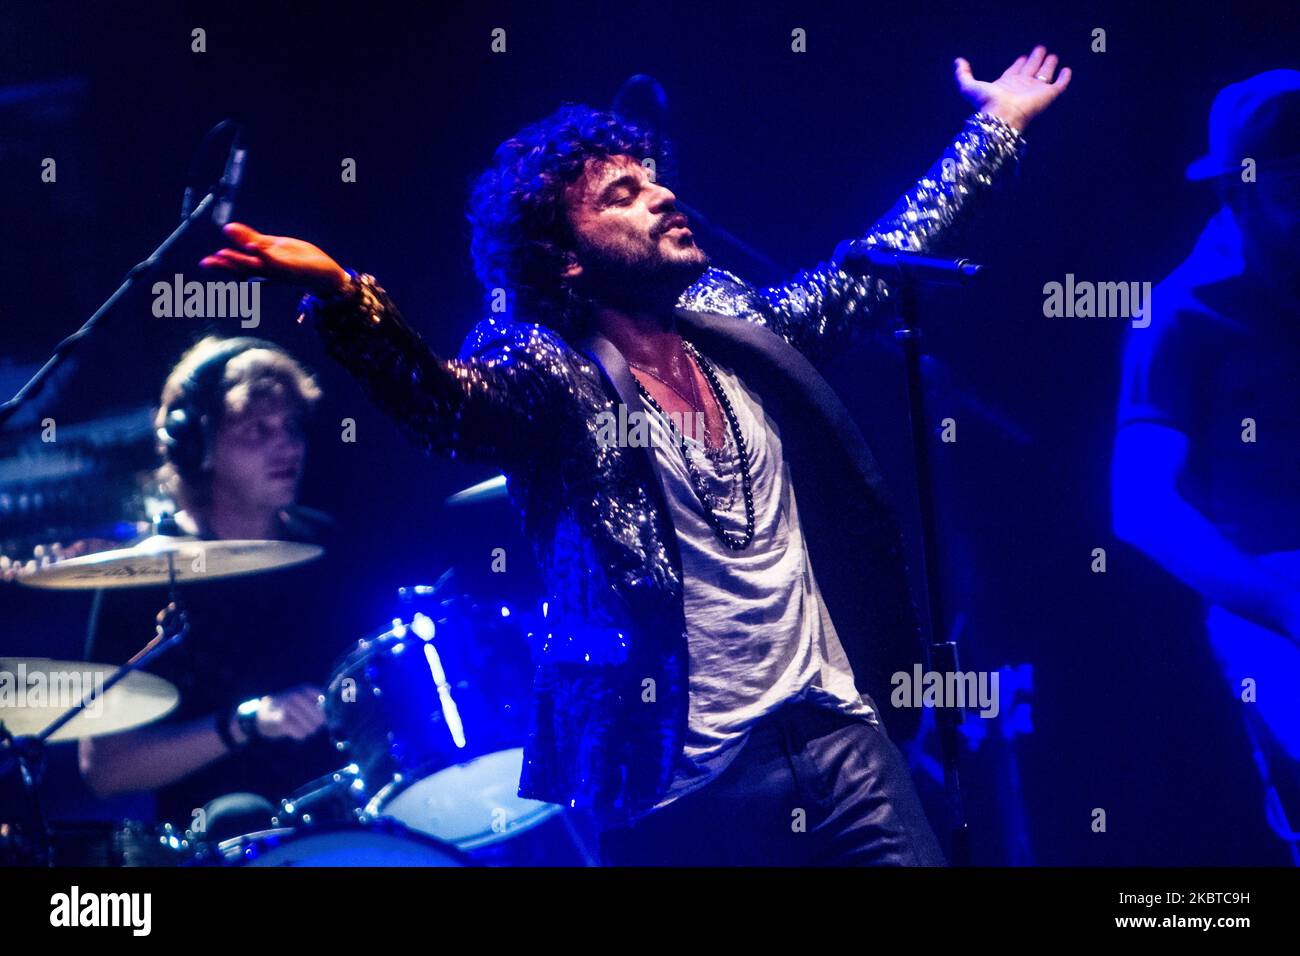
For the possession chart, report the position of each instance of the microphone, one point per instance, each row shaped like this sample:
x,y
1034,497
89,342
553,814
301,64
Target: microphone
x,y
234,168
642,100
228,186
857,257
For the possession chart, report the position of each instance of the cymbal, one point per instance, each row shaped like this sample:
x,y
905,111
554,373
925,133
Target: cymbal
x,y
484,491
36,691
146,563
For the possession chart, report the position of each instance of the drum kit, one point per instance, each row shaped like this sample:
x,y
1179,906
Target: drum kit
x,y
427,714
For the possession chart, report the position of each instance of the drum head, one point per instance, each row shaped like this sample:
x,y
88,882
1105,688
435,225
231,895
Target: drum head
x,y
380,844
469,805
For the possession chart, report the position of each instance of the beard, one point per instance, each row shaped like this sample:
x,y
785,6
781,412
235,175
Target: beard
x,y
636,276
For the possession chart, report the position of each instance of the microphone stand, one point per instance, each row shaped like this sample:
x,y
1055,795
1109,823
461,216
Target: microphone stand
x,y
905,272
66,347
942,653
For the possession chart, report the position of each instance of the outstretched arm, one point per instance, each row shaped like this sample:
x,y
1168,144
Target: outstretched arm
x,y
498,407
819,306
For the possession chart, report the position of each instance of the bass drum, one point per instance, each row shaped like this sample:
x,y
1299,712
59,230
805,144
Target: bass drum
x,y
381,843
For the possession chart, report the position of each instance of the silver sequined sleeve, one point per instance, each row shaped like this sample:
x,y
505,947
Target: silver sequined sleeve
x,y
820,305
505,405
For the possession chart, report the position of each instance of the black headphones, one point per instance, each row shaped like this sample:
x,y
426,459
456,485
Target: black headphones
x,y
186,432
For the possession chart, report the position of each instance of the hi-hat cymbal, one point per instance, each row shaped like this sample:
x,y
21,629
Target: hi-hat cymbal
x,y
146,563
36,691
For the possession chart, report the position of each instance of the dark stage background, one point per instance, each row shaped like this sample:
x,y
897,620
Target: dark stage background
x,y
791,153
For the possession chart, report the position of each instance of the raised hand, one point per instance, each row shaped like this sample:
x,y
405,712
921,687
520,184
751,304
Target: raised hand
x,y
257,255
1024,89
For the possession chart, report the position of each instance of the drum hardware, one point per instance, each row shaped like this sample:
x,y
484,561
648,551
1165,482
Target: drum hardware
x,y
111,700
429,711
377,843
128,843
333,799
136,698
22,758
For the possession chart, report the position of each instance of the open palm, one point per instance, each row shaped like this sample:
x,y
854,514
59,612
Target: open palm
x,y
1024,89
258,255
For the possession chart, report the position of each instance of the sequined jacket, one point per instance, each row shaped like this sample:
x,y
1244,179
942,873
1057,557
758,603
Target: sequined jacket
x,y
610,703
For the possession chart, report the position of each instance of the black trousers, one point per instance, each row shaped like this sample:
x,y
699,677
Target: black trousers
x,y
810,787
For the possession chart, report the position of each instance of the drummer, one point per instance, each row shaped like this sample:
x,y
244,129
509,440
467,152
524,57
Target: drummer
x,y
248,730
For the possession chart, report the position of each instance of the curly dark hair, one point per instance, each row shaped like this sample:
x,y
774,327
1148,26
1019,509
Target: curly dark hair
x,y
520,232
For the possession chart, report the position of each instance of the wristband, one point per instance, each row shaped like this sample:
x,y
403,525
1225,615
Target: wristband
x,y
361,295
246,714
223,730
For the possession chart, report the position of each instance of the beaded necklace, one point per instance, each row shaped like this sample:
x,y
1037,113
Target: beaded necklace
x,y
729,538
